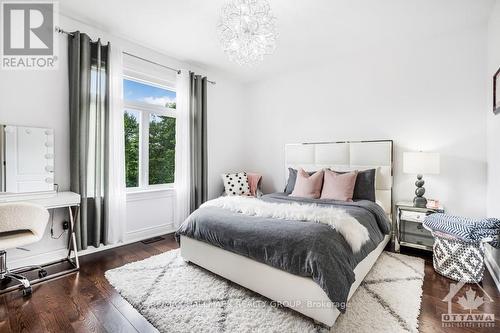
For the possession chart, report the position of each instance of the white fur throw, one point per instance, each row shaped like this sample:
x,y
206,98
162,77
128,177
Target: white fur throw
x,y
354,233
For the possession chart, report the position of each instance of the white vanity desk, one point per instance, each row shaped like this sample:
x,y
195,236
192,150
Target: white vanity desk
x,y
56,200
27,174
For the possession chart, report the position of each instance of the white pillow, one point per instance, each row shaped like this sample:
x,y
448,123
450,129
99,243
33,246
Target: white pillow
x,y
236,184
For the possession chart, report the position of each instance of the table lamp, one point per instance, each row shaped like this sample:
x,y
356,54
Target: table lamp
x,y
420,163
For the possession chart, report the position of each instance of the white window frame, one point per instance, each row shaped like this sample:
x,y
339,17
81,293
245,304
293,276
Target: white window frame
x,y
145,110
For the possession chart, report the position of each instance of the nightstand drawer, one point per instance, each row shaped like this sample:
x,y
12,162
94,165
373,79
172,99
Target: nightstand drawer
x,y
415,233
409,215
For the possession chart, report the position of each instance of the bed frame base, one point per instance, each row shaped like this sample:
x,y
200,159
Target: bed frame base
x,y
299,293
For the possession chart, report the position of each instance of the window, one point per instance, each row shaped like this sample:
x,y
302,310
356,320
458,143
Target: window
x,y
161,149
132,148
149,118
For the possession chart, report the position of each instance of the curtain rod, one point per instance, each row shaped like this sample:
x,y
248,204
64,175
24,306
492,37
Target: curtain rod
x,y
178,71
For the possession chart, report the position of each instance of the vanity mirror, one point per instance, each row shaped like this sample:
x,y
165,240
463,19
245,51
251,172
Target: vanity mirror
x,y
26,160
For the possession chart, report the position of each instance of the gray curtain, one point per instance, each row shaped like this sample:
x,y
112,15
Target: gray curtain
x,y
198,133
89,112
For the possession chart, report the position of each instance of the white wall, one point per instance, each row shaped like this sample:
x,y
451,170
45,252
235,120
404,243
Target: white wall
x,y
226,119
40,98
493,133
493,121
425,94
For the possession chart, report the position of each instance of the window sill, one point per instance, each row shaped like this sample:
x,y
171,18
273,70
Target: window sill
x,y
150,193
150,189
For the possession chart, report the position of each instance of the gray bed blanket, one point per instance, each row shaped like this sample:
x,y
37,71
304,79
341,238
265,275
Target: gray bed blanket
x,y
306,249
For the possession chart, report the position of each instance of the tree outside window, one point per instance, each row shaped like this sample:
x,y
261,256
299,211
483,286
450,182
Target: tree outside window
x,y
149,120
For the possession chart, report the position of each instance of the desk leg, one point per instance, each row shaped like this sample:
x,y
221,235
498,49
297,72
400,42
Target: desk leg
x,y
73,214
72,219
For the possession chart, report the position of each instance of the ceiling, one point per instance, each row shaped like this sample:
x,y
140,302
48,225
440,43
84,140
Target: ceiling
x,y
310,31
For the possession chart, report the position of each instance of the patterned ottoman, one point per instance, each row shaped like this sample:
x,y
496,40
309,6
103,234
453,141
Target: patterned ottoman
x,y
459,244
457,259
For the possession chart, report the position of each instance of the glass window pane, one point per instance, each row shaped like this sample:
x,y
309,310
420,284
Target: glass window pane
x,y
140,92
161,149
131,119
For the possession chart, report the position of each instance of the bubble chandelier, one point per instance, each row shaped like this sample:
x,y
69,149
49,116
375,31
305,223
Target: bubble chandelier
x,y
247,31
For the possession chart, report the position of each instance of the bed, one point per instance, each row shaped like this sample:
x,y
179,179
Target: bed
x,y
308,267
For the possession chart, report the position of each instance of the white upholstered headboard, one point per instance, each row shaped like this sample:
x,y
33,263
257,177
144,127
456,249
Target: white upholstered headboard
x,y
345,156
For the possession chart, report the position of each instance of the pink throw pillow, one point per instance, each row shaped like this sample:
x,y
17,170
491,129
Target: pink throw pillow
x,y
308,186
337,186
253,182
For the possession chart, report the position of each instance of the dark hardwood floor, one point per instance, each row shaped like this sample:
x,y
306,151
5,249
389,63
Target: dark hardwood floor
x,y
85,302
436,287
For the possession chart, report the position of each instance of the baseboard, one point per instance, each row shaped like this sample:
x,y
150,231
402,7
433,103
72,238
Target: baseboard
x,y
138,235
493,268
37,259
130,237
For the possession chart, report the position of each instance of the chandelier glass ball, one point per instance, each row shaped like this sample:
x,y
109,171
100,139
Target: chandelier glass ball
x,y
247,31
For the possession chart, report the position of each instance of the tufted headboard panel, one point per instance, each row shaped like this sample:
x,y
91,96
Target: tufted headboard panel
x,y
346,156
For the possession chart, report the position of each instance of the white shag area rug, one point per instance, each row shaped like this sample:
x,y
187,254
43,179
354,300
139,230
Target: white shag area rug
x,y
175,296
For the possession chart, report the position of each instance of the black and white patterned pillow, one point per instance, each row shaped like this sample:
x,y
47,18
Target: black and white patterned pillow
x,y
236,184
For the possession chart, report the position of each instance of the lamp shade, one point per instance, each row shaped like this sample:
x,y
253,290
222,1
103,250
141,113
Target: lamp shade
x,y
421,163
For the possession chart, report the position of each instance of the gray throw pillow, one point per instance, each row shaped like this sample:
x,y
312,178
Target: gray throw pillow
x,y
365,185
292,178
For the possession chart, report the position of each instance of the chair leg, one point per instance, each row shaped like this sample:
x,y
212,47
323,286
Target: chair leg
x,y
26,286
5,274
21,279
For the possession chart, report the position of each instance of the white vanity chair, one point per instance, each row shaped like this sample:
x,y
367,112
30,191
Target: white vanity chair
x,y
20,224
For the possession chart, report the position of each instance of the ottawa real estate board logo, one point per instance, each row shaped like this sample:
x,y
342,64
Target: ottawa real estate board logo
x,y
470,313
28,35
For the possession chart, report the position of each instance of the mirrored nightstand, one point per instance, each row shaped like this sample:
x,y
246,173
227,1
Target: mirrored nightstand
x,y
410,231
